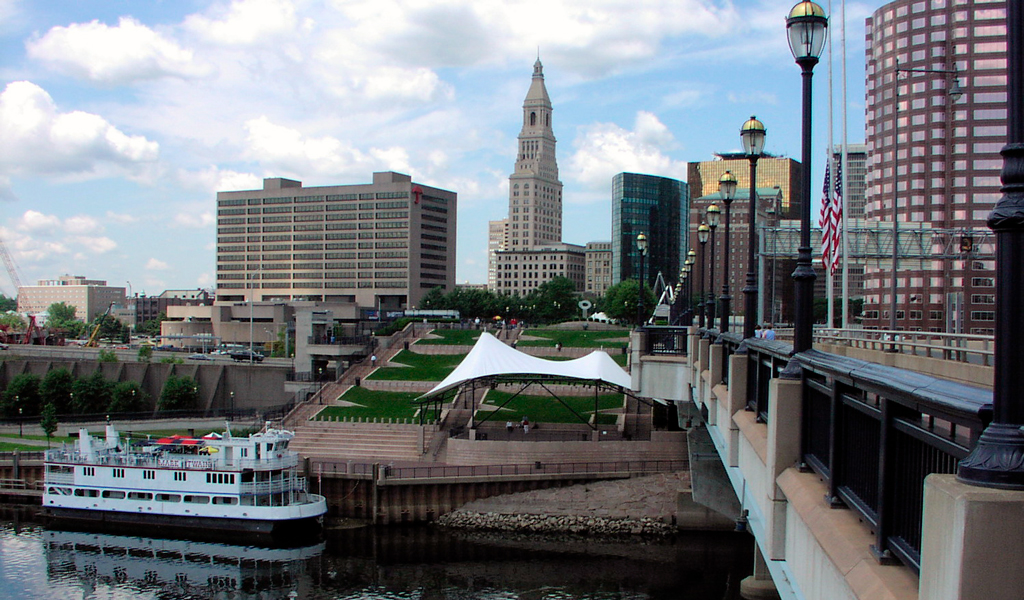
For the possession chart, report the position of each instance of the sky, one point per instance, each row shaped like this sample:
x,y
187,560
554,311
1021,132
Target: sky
x,y
121,119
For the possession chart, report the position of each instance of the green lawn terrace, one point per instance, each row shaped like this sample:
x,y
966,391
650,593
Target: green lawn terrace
x,y
611,342
411,366
362,405
450,337
501,406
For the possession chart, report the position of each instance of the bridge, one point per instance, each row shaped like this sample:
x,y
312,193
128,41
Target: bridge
x,y
843,459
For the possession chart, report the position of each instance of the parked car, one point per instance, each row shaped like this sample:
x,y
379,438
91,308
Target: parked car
x,y
245,355
198,356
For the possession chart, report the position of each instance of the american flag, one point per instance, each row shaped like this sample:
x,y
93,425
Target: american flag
x,y
831,219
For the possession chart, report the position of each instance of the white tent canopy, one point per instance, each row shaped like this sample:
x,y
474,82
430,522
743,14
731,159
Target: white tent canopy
x,y
489,357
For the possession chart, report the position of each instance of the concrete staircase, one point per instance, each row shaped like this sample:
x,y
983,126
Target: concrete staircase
x,y
377,442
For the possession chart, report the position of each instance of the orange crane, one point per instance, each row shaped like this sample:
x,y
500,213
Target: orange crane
x,y
96,330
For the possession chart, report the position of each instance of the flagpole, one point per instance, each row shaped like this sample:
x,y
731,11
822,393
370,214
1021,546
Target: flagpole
x,y
844,165
826,261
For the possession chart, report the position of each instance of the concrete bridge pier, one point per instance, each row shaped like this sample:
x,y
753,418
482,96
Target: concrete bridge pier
x,y
759,586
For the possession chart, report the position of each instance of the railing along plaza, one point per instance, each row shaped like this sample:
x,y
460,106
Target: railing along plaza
x,y
872,432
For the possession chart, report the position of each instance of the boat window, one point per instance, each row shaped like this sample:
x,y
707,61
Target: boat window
x,y
140,496
148,474
117,472
114,494
60,469
89,471
180,476
85,493
168,498
197,499
60,491
225,500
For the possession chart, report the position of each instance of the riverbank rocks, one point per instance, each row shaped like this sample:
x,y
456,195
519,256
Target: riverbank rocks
x,y
588,525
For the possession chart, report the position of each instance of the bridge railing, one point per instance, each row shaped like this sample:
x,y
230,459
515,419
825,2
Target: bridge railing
x,y
875,432
409,472
663,340
958,347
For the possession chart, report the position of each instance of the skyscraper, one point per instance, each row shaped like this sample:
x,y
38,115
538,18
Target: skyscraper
x,y
934,154
533,251
657,207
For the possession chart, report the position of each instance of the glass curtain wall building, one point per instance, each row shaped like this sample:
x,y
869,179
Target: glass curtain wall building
x,y
657,207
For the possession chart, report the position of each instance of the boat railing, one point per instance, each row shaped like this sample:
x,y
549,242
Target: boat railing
x,y
274,487
164,461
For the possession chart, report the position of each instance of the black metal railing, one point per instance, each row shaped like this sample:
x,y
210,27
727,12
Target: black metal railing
x,y
765,361
664,340
730,343
875,432
408,472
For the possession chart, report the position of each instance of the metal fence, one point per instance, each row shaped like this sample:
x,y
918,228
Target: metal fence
x,y
406,472
875,432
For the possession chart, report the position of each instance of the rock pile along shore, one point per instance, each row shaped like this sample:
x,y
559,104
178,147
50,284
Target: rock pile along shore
x,y
646,526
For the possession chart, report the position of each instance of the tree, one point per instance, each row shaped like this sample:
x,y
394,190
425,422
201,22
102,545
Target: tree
x,y
56,389
90,394
434,299
619,301
111,328
179,393
126,396
553,301
12,321
152,326
62,317
22,393
48,421
145,353
8,304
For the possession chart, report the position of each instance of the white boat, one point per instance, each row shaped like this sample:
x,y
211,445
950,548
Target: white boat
x,y
219,483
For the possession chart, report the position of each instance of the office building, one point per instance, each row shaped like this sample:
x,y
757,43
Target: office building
x,y
533,252
656,207
497,240
90,297
935,122
598,259
381,245
784,173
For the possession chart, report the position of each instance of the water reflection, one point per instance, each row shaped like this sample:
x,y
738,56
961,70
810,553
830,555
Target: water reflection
x,y
177,567
368,563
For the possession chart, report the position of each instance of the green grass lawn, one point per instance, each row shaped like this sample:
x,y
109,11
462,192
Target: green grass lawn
x,y
422,367
372,405
11,447
545,409
452,337
610,340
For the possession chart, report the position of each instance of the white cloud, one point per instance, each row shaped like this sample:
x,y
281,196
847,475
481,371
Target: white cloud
x,y
214,179
82,224
157,265
194,220
40,140
603,150
94,244
114,55
121,219
282,148
40,240
205,280
244,22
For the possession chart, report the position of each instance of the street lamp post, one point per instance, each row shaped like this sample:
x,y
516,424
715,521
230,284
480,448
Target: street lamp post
x,y
641,245
691,258
727,188
996,460
806,26
752,134
703,232
21,423
954,92
714,216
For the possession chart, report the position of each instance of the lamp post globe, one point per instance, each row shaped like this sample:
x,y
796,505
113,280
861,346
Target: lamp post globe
x,y
703,234
727,185
806,25
752,134
714,217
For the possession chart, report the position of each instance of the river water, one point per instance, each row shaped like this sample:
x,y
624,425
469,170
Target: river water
x,y
413,562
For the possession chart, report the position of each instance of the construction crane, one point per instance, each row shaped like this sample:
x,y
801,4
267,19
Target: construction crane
x,y
12,268
96,330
